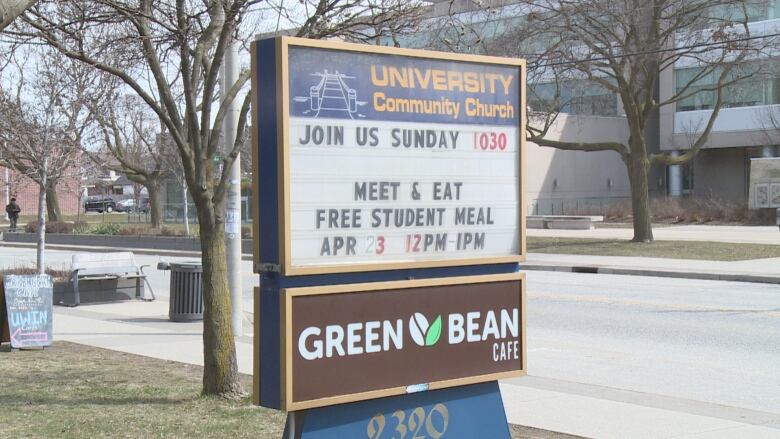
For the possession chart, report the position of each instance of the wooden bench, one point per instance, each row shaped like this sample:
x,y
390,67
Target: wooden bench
x,y
111,276
569,222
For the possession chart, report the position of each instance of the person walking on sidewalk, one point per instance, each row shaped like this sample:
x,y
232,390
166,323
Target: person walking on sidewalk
x,y
13,209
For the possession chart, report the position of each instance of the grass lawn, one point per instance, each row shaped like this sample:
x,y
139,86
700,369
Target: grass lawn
x,y
702,250
76,391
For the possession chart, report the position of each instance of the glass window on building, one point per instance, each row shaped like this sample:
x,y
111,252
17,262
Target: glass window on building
x,y
544,98
693,85
594,105
757,10
687,178
573,97
470,32
760,86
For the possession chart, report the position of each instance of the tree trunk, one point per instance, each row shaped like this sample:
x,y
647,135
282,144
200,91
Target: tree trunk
x,y
640,198
53,204
40,260
220,372
155,207
10,9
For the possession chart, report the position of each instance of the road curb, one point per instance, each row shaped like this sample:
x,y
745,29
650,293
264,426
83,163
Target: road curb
x,y
702,275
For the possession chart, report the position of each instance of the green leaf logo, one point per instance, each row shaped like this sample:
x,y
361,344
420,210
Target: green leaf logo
x,y
434,332
422,333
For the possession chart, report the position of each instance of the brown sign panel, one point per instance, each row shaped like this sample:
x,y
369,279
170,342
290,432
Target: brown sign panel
x,y
359,341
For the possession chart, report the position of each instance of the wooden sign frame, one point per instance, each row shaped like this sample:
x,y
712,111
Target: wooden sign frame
x,y
286,382
282,123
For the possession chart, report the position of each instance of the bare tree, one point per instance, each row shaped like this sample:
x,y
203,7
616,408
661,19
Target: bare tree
x,y
181,179
10,9
169,53
623,47
77,92
36,139
33,66
131,134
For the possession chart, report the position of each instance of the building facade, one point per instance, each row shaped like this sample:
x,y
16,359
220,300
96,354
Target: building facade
x,y
748,125
557,181
26,192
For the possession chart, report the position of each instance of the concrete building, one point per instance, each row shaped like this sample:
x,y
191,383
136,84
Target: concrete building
x,y
747,126
567,182
26,192
558,181
114,184
570,181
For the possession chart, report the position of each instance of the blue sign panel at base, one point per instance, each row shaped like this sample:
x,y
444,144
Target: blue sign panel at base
x,y
466,412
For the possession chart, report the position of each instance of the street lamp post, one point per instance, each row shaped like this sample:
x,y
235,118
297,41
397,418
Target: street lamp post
x,y
233,202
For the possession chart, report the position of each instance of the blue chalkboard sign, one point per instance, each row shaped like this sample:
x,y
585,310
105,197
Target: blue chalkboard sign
x,y
28,310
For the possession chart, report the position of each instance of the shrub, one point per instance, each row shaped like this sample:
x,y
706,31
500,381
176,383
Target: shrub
x,y
53,227
703,210
169,231
80,227
31,227
106,229
57,274
59,227
135,231
692,210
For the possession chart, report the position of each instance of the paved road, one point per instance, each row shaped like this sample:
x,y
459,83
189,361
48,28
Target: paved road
x,y
707,341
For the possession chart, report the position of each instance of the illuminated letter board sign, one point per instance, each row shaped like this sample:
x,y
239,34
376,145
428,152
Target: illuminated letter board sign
x,y
392,158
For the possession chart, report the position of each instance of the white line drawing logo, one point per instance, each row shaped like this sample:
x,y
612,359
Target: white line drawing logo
x,y
332,94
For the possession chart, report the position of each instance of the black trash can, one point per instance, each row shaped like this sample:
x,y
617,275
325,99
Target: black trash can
x,y
186,297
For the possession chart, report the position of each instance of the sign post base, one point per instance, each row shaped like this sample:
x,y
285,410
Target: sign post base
x,y
460,412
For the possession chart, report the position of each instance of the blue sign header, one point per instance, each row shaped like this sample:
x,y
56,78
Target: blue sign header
x,y
326,83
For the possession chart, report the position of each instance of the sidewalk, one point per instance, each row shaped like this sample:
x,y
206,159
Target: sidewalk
x,y
754,270
143,328
733,234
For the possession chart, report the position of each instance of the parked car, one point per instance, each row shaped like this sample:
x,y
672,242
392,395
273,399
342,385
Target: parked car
x,y
99,204
125,205
129,206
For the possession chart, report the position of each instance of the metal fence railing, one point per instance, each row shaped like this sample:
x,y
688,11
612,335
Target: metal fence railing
x,y
578,206
171,213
